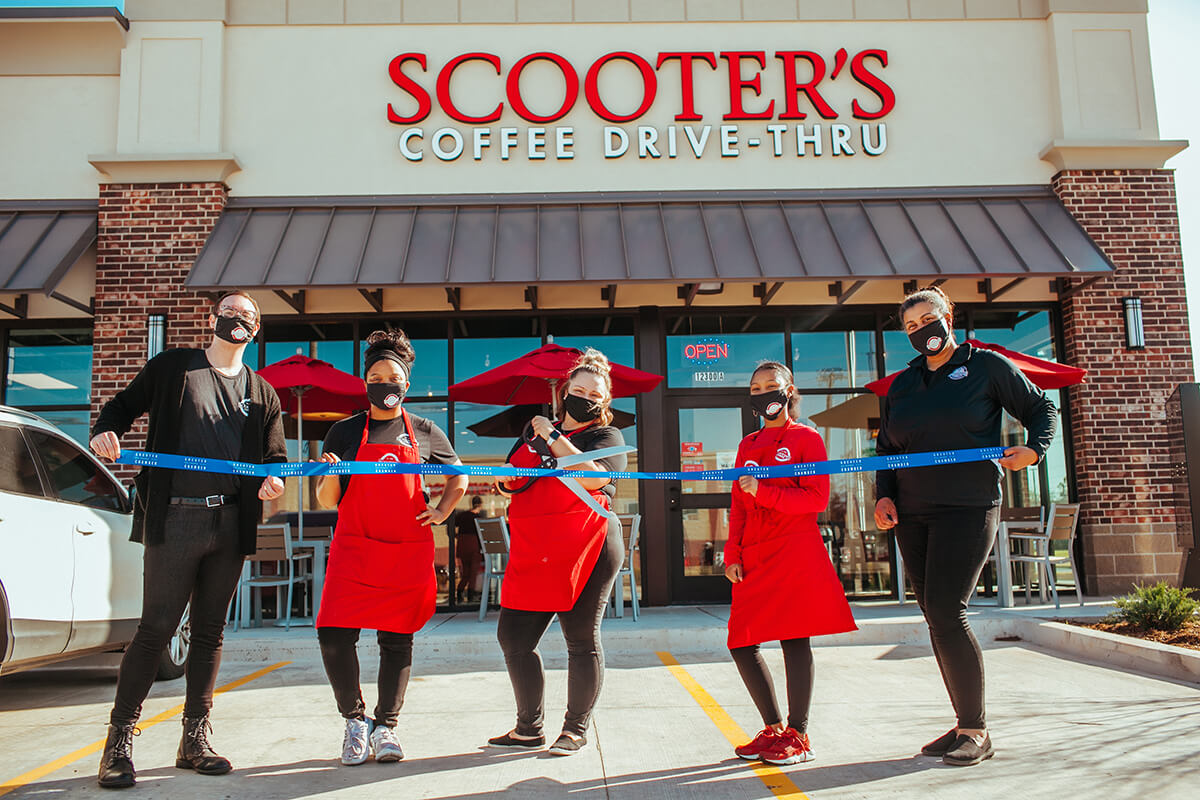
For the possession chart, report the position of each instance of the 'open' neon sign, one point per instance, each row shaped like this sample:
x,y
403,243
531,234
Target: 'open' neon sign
x,y
706,351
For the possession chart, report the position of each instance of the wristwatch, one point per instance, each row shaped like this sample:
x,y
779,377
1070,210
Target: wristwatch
x,y
555,435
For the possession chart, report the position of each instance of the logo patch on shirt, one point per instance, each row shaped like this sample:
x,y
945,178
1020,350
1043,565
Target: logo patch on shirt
x,y
244,407
958,374
403,440
783,455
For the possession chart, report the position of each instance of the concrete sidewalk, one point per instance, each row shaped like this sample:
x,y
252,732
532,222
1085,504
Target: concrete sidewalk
x,y
1062,727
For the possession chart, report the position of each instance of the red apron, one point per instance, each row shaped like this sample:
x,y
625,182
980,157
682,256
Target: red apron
x,y
554,542
789,587
380,574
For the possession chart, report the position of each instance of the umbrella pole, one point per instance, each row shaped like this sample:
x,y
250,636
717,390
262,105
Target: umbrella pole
x,y
300,457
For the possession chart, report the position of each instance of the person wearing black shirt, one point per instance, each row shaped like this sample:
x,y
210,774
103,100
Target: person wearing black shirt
x,y
563,558
197,526
950,397
467,549
381,562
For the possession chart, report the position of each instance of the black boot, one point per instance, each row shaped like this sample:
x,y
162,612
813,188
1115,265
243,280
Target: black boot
x,y
116,763
196,753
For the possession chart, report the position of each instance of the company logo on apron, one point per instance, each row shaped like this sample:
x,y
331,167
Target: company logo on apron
x,y
934,343
958,374
750,464
390,457
783,455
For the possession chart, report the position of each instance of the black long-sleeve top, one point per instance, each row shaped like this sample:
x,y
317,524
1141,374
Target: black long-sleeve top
x,y
957,406
158,389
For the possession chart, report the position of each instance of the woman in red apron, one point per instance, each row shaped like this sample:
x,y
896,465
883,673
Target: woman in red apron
x,y
563,558
381,573
785,588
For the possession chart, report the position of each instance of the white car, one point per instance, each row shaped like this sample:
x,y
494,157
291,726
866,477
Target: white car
x,y
70,579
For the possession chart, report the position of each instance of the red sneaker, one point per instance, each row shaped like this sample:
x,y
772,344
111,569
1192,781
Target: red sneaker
x,y
791,747
753,750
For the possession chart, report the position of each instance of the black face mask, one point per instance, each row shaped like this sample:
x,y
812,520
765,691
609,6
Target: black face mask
x,y
581,409
769,405
385,395
234,330
931,339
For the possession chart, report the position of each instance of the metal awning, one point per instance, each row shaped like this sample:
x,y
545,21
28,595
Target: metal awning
x,y
39,244
296,243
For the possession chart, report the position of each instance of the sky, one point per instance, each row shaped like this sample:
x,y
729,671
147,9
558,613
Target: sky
x,y
1174,35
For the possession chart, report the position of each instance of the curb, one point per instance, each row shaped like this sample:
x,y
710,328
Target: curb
x,y
1114,650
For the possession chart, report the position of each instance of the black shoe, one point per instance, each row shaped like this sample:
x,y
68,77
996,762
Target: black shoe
x,y
567,745
966,753
941,745
507,740
116,763
196,753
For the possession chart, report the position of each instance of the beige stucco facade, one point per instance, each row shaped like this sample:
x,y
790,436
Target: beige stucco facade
x,y
290,98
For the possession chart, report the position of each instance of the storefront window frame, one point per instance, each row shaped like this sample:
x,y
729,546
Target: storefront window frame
x,y
6,330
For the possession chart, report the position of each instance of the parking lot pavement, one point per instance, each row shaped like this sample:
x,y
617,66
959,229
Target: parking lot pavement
x,y
1061,728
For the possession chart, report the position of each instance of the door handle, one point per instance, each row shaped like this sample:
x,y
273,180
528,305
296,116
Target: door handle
x,y
673,495
85,528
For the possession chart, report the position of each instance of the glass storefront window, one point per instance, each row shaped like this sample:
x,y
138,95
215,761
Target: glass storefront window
x,y
719,359
708,439
833,359
705,531
474,356
330,342
74,423
861,554
49,368
1026,332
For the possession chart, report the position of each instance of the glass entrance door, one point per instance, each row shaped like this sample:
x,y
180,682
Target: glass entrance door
x,y
706,436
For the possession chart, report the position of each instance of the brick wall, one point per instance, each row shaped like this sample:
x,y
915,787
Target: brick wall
x,y
1118,420
149,235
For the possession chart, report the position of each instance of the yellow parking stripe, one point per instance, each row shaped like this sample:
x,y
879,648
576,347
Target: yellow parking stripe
x,y
95,747
774,778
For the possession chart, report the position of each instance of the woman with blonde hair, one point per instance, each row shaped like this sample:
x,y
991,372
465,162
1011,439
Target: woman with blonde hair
x,y
563,557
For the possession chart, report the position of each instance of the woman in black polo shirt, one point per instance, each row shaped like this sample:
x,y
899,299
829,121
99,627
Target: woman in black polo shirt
x,y
952,396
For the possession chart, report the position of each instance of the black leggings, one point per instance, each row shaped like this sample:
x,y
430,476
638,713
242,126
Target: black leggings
x,y
520,631
339,651
198,560
944,550
797,664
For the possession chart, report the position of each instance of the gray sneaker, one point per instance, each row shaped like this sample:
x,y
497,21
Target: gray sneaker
x,y
355,748
385,744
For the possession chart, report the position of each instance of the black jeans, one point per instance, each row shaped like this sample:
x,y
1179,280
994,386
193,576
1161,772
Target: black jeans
x,y
520,631
199,560
944,550
797,663
339,651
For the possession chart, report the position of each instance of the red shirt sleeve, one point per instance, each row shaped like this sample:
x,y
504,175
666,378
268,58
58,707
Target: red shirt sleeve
x,y
737,518
809,495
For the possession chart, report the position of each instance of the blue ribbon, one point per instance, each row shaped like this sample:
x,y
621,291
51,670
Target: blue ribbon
x,y
311,469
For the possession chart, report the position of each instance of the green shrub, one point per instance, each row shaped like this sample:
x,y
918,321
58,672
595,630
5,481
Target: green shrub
x,y
1159,607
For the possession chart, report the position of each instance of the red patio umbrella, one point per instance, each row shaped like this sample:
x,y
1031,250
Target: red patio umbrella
x,y
529,379
1043,373
328,392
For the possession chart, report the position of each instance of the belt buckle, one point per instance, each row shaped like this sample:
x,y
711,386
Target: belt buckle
x,y
213,500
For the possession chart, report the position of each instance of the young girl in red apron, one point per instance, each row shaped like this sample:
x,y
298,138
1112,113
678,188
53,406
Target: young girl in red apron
x,y
563,558
785,588
381,562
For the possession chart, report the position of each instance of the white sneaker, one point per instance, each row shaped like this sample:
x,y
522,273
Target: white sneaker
x,y
354,746
385,744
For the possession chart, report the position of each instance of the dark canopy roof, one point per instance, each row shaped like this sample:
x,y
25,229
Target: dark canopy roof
x,y
40,242
292,243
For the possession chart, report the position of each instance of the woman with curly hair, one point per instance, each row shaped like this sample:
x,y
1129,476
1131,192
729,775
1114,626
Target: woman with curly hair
x,y
381,562
563,558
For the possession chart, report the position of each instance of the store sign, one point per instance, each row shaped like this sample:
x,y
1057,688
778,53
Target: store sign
x,y
691,448
707,352
796,124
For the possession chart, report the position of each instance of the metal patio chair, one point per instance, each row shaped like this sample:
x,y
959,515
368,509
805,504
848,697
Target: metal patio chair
x,y
493,542
631,525
1061,527
274,546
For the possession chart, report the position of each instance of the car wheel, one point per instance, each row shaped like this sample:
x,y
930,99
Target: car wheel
x,y
174,657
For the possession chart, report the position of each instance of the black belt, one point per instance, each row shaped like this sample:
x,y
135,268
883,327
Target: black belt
x,y
212,501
